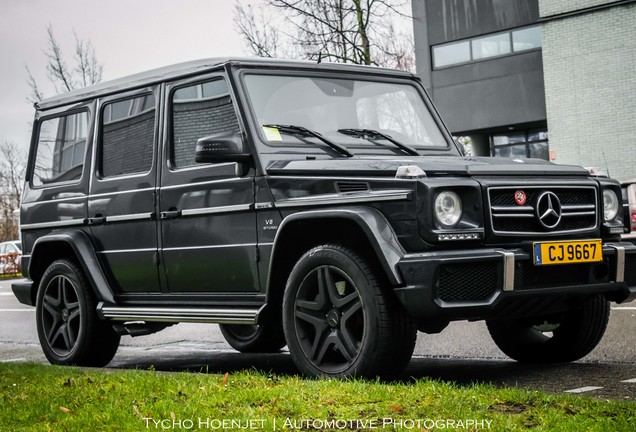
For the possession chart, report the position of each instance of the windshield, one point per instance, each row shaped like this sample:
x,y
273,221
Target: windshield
x,y
364,117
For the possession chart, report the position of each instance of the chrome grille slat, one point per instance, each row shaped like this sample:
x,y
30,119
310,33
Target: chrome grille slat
x,y
578,214
513,215
578,210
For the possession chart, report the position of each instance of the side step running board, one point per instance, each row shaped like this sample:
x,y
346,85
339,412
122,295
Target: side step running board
x,y
168,314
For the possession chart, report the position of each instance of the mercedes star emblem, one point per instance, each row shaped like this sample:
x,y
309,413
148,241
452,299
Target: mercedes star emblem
x,y
549,209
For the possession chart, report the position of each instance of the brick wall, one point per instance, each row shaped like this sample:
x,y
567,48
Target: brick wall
x,y
553,7
128,145
198,119
589,63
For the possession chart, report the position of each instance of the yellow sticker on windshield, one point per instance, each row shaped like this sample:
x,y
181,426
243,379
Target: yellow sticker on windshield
x,y
272,134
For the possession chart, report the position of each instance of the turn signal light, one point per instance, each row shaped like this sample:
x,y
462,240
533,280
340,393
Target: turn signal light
x,y
459,236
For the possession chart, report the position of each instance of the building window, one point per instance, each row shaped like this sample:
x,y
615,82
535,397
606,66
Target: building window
x,y
526,144
489,46
526,39
454,53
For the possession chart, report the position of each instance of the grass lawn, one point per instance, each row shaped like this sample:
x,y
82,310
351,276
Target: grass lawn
x,y
35,397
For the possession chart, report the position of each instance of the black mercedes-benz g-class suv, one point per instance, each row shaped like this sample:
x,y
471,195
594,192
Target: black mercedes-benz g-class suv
x,y
320,206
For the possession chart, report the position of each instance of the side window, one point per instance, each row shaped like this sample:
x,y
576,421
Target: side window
x,y
127,136
198,111
61,147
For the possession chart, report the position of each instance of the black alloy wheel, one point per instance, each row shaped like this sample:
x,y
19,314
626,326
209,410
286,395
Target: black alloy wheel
x,y
69,329
61,318
338,320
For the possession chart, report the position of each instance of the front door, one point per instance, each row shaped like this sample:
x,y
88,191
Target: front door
x,y
207,217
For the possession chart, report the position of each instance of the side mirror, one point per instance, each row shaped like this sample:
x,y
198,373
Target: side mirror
x,y
222,147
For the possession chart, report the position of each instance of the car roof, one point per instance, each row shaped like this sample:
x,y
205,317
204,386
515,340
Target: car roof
x,y
195,67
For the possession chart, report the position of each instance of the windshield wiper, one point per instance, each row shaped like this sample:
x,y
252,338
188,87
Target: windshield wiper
x,y
304,132
370,134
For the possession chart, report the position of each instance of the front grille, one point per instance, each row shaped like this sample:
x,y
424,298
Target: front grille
x,y
529,276
467,282
578,206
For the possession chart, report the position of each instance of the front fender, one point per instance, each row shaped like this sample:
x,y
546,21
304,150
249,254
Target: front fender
x,y
373,224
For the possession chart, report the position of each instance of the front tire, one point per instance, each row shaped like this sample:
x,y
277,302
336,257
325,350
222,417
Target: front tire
x,y
559,338
69,329
338,320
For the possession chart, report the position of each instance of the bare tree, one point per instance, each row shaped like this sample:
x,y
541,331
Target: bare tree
x,y
348,31
396,51
260,37
12,166
87,70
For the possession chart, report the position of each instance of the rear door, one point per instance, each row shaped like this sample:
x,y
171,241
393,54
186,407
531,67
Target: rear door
x,y
208,222
121,205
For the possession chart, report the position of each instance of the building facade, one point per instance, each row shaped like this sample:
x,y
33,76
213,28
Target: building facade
x,y
481,62
589,63
505,72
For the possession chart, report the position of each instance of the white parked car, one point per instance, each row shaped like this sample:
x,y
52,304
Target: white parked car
x,y
10,254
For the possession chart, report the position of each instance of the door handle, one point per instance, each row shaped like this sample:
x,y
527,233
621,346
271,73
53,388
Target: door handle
x,y
170,214
98,219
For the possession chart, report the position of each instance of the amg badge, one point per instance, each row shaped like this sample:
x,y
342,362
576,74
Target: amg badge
x,y
520,197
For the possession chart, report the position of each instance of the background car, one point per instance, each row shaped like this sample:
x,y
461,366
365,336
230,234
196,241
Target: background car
x,y
10,254
629,201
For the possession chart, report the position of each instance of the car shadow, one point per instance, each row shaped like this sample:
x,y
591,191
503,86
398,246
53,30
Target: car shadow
x,y
457,371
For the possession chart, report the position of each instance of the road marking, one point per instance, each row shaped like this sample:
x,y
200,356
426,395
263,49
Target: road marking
x,y
633,380
624,308
583,389
6,293
22,359
17,310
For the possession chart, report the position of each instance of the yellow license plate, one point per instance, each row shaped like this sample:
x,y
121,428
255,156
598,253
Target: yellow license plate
x,y
567,252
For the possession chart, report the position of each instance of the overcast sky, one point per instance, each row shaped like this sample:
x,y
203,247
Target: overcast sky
x,y
128,36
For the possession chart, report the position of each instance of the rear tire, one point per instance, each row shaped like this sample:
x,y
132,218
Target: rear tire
x,y
338,320
559,338
69,329
265,338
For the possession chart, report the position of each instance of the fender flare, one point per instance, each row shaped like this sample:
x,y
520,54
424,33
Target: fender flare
x,y
84,252
376,228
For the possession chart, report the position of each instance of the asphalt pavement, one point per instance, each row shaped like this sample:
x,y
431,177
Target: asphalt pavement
x,y
463,354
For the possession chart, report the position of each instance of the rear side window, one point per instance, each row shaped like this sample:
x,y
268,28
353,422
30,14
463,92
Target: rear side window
x,y
61,148
198,111
127,136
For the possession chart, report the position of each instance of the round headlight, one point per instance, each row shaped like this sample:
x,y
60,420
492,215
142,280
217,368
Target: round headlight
x,y
610,204
448,209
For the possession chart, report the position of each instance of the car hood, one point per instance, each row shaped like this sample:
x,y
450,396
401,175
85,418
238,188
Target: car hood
x,y
432,166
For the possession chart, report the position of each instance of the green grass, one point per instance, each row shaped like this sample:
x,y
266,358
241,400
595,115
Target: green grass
x,y
36,397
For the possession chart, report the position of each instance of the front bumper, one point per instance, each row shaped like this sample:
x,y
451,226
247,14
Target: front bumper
x,y
504,283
